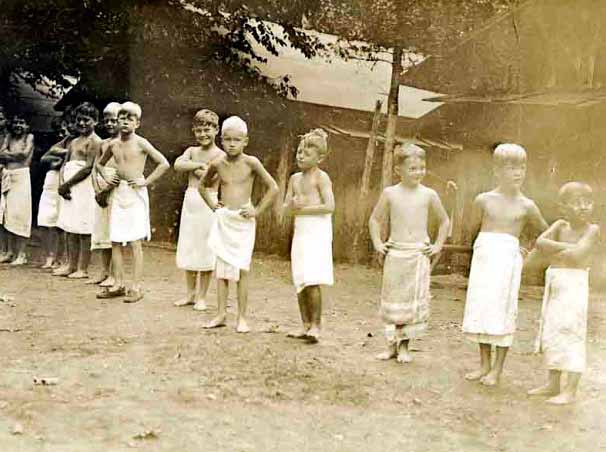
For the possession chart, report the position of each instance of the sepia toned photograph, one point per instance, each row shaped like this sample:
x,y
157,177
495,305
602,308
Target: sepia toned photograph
x,y
305,225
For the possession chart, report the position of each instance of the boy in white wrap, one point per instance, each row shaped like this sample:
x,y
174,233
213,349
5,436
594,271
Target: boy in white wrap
x,y
77,194
496,267
129,201
310,199
16,199
3,137
569,245
100,239
193,253
232,236
406,273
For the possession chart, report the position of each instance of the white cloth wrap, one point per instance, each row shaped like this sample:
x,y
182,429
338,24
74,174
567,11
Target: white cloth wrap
x,y
492,294
48,208
405,292
100,239
129,214
16,202
76,215
193,251
311,251
232,239
563,325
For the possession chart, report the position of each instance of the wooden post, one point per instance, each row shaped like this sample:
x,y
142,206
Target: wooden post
x,y
392,116
282,174
362,208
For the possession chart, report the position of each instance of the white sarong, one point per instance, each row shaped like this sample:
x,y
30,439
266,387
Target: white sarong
x,y
311,251
405,292
232,239
193,252
16,202
100,239
563,326
48,208
129,214
76,215
491,307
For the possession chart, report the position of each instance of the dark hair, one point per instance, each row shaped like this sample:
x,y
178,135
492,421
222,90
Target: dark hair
x,y
87,109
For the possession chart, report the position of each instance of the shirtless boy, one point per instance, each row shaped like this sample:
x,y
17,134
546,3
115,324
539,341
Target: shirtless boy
x,y
16,199
406,272
100,239
310,199
569,244
77,194
496,267
232,237
193,254
129,203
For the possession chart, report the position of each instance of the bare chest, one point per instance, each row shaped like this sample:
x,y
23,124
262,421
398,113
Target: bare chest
x,y
504,212
237,173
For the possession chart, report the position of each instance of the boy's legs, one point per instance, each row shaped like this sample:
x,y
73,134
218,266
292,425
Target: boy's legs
x,y
485,365
392,343
222,292
569,394
305,316
118,266
241,324
191,278
5,246
105,277
19,246
314,304
404,355
83,259
492,377
73,251
136,292
552,387
51,242
203,286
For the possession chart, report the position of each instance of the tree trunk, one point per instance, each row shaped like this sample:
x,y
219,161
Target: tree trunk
x,y
282,174
392,116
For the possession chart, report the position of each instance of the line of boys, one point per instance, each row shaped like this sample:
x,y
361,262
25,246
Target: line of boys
x,y
219,235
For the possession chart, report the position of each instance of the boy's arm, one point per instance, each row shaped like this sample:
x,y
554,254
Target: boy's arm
x,y
91,152
377,217
328,199
161,167
9,156
438,210
535,218
547,242
272,189
184,163
287,206
583,248
208,180
477,209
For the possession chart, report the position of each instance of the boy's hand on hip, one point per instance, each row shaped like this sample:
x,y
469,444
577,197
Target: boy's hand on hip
x,y
65,192
382,249
248,212
137,183
430,250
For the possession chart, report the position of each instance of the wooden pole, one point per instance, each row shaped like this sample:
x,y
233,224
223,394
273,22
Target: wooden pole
x,y
392,116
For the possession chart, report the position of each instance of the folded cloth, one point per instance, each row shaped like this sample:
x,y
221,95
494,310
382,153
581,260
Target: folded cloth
x,y
16,202
129,214
48,208
492,293
193,252
76,214
311,251
232,239
100,239
405,292
563,325
103,175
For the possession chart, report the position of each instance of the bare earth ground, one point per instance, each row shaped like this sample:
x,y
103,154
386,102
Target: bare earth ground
x,y
149,370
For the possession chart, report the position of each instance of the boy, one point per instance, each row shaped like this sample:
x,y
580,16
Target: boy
x,y
48,208
232,236
16,199
129,203
310,199
100,239
77,194
569,243
3,136
406,271
496,267
193,254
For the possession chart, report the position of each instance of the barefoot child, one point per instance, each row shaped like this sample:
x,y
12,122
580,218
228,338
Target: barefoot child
x,y
569,244
232,236
310,199
48,208
496,266
406,272
193,254
100,239
16,197
77,201
129,203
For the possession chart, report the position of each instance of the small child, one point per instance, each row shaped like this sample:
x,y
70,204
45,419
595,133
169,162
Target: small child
x,y
310,199
129,204
569,243
77,201
193,254
496,267
232,236
16,198
48,208
406,273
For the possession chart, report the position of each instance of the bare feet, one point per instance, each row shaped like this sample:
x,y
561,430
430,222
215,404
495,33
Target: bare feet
x,y
404,356
187,301
200,305
476,374
390,353
98,280
133,296
6,258
21,260
563,398
50,261
242,326
64,270
110,281
217,322
79,274
547,390
299,334
490,379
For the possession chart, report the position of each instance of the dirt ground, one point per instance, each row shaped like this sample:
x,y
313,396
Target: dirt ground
x,y
146,376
